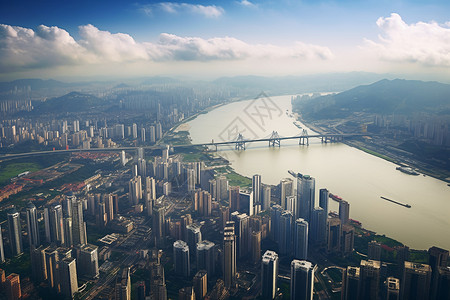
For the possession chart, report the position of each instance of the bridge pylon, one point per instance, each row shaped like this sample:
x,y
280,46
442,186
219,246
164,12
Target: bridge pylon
x,y
304,138
274,139
240,142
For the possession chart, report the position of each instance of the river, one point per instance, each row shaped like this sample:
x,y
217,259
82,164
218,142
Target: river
x,y
354,175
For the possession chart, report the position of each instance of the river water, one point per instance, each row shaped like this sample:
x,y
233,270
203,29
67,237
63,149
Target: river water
x,y
354,175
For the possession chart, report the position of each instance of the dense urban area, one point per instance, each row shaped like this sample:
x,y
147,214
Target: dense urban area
x,y
102,196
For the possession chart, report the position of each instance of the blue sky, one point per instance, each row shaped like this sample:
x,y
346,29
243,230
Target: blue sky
x,y
218,38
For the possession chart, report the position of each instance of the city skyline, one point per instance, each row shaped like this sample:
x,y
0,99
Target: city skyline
x,y
210,39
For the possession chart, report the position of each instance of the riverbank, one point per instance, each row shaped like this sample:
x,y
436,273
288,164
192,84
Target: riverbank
x,y
374,146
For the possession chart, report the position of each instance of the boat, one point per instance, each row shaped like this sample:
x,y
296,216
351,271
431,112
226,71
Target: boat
x,y
396,202
407,170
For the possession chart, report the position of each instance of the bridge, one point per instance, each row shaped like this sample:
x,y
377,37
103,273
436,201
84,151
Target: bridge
x,y
239,143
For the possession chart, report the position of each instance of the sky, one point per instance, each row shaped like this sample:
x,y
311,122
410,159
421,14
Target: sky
x,y
211,39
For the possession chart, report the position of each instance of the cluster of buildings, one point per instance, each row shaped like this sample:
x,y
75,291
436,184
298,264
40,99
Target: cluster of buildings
x,y
60,258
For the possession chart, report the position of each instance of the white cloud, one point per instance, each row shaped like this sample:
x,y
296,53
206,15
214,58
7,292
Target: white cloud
x,y
209,11
247,3
23,48
424,43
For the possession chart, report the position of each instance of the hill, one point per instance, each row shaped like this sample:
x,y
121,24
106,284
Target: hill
x,y
382,97
71,102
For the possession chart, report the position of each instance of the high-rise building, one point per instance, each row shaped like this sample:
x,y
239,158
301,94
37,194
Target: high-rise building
x,y
143,135
222,188
348,239
87,257
12,285
255,249
285,233
286,189
369,279
266,197
109,207
374,250
123,285
193,236
51,266
334,234
269,274
68,232
301,239
15,232
305,197
142,167
134,131
302,280
32,226
78,225
416,281
344,212
186,293
67,204
229,255
234,198
200,283
242,231
135,190
350,283
2,250
323,199
443,284
150,188
392,288
190,179
256,188
291,203
318,227
54,224
206,256
68,277
437,258
181,259
275,215
38,271
158,228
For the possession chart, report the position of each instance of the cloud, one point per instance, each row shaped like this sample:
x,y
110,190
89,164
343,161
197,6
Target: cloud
x,y
47,46
247,3
24,48
424,43
209,11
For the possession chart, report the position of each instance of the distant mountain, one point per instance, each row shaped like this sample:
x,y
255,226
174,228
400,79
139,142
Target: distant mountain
x,y
334,82
71,102
382,97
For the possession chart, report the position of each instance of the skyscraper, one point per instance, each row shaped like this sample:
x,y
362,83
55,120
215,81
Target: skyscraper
x,y
32,226
87,257
206,253
38,271
350,283
348,239
234,198
2,250
181,259
68,277
344,212
334,234
158,228
229,255
318,227
275,215
285,233
323,199
12,285
369,279
286,189
242,231
256,188
255,249
54,224
302,280
374,250
78,225
15,232
194,236
266,197
437,258
305,197
135,190
443,285
416,281
301,239
269,274
392,289
200,283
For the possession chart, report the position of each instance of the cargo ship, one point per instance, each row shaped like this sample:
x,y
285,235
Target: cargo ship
x,y
396,202
407,170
